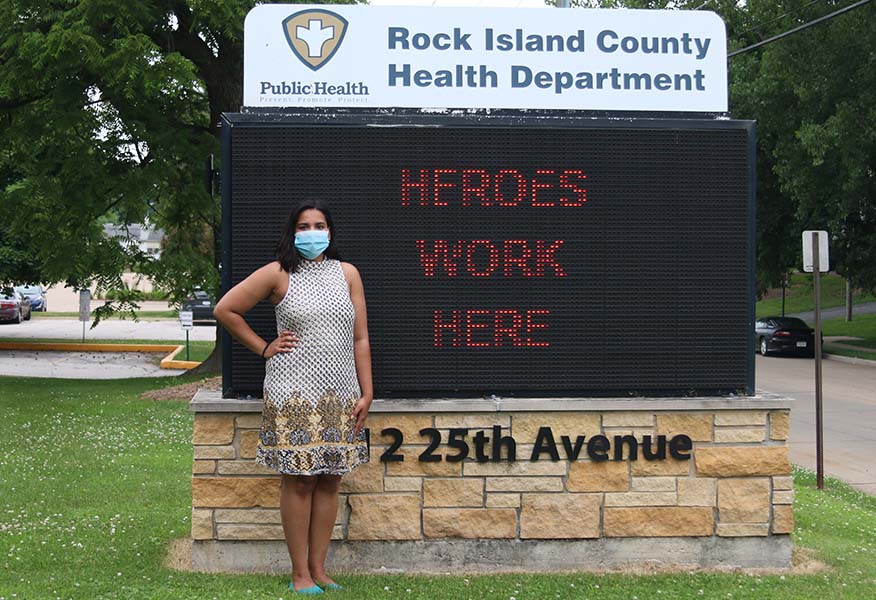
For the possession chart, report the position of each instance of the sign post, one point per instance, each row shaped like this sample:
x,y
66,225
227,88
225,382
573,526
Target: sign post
x,y
84,309
815,252
185,320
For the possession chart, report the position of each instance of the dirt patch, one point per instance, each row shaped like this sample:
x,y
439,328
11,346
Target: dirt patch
x,y
179,554
183,392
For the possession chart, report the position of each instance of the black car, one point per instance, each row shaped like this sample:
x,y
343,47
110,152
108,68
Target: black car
x,y
201,306
784,335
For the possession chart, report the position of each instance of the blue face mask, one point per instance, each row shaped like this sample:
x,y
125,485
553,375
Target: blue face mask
x,y
311,243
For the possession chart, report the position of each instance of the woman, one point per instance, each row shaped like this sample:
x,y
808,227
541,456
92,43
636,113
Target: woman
x,y
317,389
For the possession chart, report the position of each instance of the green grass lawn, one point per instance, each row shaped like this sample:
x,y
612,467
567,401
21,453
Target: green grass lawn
x,y
95,482
863,326
799,296
198,350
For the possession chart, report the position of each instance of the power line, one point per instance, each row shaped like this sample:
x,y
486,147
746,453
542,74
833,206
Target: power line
x,y
800,28
782,16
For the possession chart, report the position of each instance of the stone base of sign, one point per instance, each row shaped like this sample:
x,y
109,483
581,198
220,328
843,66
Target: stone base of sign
x,y
486,555
729,504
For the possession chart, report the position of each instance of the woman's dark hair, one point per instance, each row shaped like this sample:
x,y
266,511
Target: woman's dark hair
x,y
287,254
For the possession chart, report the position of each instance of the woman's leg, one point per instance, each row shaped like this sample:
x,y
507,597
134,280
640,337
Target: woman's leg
x,y
296,493
323,510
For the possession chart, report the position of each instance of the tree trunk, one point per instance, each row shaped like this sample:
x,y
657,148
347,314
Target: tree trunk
x,y
848,299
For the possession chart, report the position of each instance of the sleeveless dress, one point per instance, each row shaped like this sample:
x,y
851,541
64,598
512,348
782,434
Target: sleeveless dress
x,y
310,392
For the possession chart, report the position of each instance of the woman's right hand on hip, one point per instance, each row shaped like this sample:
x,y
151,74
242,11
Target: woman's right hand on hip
x,y
287,341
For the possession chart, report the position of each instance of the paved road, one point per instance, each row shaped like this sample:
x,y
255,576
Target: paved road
x,y
849,414
49,327
83,365
867,308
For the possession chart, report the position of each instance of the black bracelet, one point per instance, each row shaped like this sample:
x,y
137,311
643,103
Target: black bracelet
x,y
266,347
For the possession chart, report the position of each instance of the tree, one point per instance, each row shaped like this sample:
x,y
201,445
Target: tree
x,y
113,106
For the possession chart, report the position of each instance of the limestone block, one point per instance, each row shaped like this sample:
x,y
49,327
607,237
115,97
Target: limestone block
x,y
235,492
244,467
525,425
453,492
208,452
384,517
730,435
213,429
409,425
698,491
202,524
783,496
606,476
366,477
653,468
248,442
780,425
697,426
250,421
337,532
744,500
784,482
524,484
269,516
740,417
628,419
654,484
742,461
203,467
558,516
521,466
659,521
503,500
484,420
783,518
743,529
470,522
249,532
641,498
403,484
411,466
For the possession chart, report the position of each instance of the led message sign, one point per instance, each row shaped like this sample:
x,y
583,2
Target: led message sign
x,y
502,256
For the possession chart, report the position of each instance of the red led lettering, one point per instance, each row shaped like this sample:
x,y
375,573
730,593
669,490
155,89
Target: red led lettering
x,y
580,193
520,187
452,328
522,260
440,252
538,185
494,258
544,256
480,328
470,191
530,325
408,186
439,185
505,330
471,325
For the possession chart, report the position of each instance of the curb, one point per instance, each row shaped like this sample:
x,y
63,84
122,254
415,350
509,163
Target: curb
x,y
850,360
168,362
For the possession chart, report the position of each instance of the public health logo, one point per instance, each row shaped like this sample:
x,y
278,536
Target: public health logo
x,y
314,35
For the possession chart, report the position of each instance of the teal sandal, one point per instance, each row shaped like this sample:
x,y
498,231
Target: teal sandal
x,y
331,586
308,591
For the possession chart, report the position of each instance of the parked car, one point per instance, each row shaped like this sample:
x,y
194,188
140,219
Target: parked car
x,y
201,306
784,335
14,306
37,296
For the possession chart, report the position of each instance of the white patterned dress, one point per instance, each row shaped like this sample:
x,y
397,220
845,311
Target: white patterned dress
x,y
310,392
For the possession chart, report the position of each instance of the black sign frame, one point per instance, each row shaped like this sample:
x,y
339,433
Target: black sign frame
x,y
551,120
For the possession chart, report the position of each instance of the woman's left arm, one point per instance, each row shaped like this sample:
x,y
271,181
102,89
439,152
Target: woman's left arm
x,y
361,345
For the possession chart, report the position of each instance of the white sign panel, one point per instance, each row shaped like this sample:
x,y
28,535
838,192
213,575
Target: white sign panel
x,y
84,305
429,57
185,319
808,254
